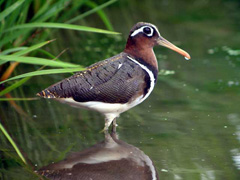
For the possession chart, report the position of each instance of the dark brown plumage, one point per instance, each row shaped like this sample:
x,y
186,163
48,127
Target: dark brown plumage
x,y
114,80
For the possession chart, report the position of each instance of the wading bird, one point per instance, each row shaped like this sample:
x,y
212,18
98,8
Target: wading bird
x,y
118,83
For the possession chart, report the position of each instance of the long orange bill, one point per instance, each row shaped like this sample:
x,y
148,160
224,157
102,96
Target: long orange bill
x,y
163,42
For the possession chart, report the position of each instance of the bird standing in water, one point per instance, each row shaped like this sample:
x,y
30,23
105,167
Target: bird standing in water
x,y
118,83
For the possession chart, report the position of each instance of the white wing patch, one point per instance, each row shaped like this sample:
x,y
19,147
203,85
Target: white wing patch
x,y
119,66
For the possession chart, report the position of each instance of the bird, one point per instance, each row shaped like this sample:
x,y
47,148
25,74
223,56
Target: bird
x,y
109,159
116,84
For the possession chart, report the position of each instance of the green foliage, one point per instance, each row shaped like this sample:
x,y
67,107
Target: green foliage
x,y
35,60
10,9
42,72
59,26
12,143
24,24
13,86
24,31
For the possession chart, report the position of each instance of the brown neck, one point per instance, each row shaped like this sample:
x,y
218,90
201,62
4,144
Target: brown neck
x,y
141,51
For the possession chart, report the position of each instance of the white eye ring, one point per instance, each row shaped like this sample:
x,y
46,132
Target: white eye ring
x,y
140,30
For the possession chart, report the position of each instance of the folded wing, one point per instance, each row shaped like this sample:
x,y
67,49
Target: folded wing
x,y
114,80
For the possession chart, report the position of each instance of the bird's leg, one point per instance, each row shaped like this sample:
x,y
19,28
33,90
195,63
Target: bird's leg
x,y
109,118
107,124
114,129
114,125
107,136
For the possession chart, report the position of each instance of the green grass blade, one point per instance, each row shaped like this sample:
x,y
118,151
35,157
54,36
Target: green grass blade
x,y
32,48
91,11
44,72
75,7
50,11
102,15
13,86
60,26
37,61
10,9
12,143
46,53
24,50
23,14
2,62
19,99
41,9
12,50
10,37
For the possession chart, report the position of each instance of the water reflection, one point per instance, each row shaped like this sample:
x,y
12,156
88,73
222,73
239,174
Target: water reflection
x,y
109,159
235,121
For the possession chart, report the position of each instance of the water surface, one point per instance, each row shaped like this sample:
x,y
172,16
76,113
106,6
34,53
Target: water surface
x,y
190,124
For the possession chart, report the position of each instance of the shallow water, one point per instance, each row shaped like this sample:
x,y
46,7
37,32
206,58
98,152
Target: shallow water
x,y
190,124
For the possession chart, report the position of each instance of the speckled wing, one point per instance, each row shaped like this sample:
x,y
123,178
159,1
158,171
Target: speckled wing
x,y
114,80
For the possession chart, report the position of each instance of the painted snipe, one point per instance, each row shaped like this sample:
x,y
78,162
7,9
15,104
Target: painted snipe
x,y
111,159
118,83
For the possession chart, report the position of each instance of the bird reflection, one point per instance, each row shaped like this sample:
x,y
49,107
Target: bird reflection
x,y
107,160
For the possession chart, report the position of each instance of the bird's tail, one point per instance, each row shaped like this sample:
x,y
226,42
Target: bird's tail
x,y
46,94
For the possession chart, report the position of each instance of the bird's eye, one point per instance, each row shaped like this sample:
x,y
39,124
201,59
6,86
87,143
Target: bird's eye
x,y
147,30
